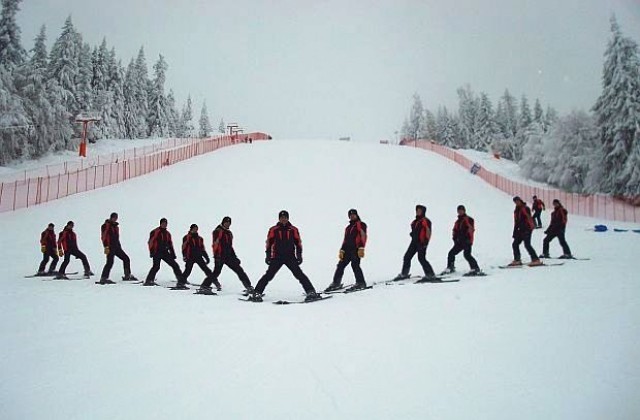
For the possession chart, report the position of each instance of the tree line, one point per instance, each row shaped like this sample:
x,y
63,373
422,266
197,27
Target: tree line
x,y
42,92
584,151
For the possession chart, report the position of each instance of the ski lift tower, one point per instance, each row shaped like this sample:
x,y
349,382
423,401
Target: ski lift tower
x,y
86,119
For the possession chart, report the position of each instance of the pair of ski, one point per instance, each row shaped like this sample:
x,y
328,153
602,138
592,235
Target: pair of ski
x,y
290,302
529,266
50,276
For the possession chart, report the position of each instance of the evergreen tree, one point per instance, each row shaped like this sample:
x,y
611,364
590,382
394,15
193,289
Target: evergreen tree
x,y
538,114
15,124
524,117
486,128
416,118
186,120
115,85
11,52
467,114
618,113
205,124
507,115
430,130
141,95
84,92
158,120
173,115
222,128
445,128
63,64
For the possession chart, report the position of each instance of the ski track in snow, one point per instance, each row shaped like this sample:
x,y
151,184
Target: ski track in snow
x,y
541,343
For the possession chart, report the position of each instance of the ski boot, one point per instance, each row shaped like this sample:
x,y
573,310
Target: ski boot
x,y
61,276
255,297
41,273
430,278
181,286
150,283
544,256
515,263
474,272
88,273
448,270
204,291
536,263
311,296
106,281
566,257
130,277
218,285
248,291
333,287
401,276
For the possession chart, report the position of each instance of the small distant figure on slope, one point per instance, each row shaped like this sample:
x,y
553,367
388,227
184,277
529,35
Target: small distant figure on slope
x,y
351,252
538,207
284,247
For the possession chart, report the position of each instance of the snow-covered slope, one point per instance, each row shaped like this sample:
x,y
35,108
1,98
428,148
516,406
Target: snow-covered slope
x,y
545,343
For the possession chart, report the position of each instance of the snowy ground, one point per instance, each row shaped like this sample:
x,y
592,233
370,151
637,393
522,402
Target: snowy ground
x,y
38,167
505,167
545,343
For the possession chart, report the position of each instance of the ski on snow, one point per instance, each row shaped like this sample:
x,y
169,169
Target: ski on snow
x,y
526,265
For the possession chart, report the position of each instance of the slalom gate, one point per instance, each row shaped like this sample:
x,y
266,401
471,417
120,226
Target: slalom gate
x,y
600,206
81,177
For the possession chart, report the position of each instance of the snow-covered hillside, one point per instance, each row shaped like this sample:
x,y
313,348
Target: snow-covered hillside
x,y
544,343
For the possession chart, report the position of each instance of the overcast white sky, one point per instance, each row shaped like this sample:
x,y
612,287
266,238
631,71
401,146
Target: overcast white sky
x,y
330,68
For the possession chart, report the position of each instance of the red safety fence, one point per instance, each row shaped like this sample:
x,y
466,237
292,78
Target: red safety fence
x,y
37,190
599,206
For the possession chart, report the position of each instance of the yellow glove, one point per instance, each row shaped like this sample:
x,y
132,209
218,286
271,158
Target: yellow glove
x,y
43,248
60,252
106,250
360,252
341,255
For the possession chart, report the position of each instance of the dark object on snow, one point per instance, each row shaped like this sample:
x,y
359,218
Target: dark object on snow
x,y
475,168
620,230
600,228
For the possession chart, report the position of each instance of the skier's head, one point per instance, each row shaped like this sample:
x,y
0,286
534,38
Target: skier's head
x,y
556,203
226,222
283,216
535,197
518,200
353,215
163,223
70,224
193,228
421,210
461,210
113,217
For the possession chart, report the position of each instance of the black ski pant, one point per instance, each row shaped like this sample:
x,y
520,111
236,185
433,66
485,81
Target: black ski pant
x,y
550,237
293,266
350,257
113,253
78,254
422,258
234,265
536,217
45,260
466,249
156,267
517,240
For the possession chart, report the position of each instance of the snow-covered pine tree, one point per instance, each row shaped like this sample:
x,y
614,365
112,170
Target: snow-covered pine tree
x,y
12,54
63,65
486,128
416,118
538,114
524,121
467,114
507,115
445,128
141,95
173,115
158,120
618,113
222,128
84,91
205,124
186,119
115,85
13,120
430,130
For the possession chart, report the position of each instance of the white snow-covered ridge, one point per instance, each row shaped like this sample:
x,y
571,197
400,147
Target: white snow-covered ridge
x,y
33,191
599,206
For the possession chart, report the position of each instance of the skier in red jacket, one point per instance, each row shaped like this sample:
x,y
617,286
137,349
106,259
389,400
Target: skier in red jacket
x,y
351,251
463,234
110,235
420,236
49,249
161,249
68,246
523,226
284,247
538,207
557,229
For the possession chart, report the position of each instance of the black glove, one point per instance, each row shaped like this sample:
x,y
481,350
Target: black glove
x,y
546,232
267,259
299,259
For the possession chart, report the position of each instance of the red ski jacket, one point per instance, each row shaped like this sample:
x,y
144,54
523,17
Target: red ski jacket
x,y
48,239
522,220
421,230
464,229
355,236
160,243
284,242
110,234
537,205
67,241
193,247
222,245
559,218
